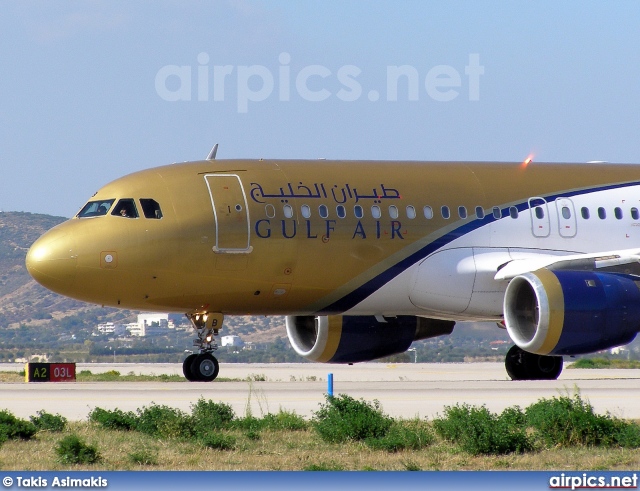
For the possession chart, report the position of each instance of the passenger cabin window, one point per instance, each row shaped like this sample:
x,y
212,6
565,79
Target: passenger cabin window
x,y
428,212
151,208
411,212
634,213
496,212
270,210
125,208
618,212
584,211
602,213
306,211
341,211
288,211
393,212
513,212
375,212
445,212
323,211
479,212
95,208
462,212
357,211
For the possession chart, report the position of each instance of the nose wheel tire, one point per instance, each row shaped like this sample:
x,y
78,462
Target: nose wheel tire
x,y
186,367
203,368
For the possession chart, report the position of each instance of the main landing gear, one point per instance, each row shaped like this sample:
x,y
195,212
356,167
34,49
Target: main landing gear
x,y
203,366
522,365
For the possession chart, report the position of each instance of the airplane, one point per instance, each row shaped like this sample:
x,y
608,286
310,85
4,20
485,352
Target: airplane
x,y
365,257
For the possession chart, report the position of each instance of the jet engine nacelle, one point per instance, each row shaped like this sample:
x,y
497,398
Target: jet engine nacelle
x,y
571,312
352,339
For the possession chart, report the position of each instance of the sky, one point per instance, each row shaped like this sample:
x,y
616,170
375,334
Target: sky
x,y
91,91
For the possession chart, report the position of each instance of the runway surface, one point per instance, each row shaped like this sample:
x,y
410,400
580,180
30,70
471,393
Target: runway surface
x,y
404,390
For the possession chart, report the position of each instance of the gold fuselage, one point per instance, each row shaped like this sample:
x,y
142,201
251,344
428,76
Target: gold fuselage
x,y
266,258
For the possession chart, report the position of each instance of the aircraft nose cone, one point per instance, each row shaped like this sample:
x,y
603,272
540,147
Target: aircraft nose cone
x,y
51,260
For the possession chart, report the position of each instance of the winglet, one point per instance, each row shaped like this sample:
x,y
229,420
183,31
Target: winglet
x,y
213,152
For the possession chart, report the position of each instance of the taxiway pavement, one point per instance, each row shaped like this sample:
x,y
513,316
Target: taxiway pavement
x,y
404,390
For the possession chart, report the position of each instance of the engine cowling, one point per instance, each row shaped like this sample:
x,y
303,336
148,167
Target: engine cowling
x,y
571,312
352,339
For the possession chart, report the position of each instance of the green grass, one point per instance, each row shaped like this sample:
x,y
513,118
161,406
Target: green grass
x,y
115,376
604,363
143,456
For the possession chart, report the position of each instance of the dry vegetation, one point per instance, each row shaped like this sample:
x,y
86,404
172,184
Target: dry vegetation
x,y
288,450
284,441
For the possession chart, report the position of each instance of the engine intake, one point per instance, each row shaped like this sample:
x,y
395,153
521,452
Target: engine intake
x,y
571,312
352,339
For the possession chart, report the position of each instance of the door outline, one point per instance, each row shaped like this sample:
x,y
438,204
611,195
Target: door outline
x,y
567,227
234,222
540,227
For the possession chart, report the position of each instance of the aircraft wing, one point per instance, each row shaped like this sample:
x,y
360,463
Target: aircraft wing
x,y
624,261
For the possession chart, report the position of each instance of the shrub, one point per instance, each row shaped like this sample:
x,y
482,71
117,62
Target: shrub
x,y
628,436
44,421
218,441
114,420
285,420
253,435
14,428
164,422
208,415
478,431
568,421
403,435
249,423
72,450
344,418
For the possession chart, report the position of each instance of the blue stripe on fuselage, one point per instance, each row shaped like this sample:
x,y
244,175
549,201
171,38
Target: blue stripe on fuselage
x,y
358,295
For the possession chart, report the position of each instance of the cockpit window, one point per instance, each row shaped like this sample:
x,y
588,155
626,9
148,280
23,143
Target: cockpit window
x,y
151,208
125,208
95,208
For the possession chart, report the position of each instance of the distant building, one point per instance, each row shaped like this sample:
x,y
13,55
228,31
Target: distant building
x,y
231,341
135,329
112,328
148,324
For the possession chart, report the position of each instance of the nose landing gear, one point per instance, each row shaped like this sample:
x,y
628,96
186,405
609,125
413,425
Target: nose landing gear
x,y
203,366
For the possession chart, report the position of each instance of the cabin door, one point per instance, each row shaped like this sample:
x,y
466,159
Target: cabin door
x,y
230,213
567,226
540,223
